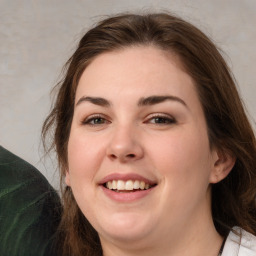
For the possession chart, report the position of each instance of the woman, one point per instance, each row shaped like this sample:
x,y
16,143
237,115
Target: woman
x,y
153,143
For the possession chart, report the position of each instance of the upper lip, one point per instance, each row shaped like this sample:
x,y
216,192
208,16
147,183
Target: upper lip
x,y
125,177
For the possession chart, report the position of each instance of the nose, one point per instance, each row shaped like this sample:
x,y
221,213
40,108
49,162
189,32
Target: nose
x,y
125,145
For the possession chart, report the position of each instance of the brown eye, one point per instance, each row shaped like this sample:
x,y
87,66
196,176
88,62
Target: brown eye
x,y
161,120
97,120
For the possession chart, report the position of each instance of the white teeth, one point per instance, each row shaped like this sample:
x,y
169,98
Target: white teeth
x,y
136,184
127,185
120,185
109,185
142,185
114,184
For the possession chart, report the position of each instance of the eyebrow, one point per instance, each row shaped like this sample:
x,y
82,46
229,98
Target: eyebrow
x,y
152,100
94,100
148,101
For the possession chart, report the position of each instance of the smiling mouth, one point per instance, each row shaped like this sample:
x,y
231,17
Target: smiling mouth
x,y
122,186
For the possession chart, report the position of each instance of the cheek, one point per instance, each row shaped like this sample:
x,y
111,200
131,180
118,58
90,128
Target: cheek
x,y
84,156
183,157
84,159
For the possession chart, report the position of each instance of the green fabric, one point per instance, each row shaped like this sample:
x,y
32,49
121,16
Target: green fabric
x,y
29,209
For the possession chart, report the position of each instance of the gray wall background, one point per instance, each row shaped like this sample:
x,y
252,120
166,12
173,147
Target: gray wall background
x,y
37,37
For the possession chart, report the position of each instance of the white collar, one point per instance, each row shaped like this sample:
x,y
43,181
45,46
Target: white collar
x,y
239,243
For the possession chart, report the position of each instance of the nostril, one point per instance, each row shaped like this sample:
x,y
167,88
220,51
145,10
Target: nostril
x,y
113,156
123,157
131,155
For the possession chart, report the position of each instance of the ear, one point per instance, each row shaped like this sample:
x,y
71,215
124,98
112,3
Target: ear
x,y
223,163
67,178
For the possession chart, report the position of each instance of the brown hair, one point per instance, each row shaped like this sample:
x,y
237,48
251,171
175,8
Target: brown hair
x,y
233,199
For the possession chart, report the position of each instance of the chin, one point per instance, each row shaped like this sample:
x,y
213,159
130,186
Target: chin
x,y
126,227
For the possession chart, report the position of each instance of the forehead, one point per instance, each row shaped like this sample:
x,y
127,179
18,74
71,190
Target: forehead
x,y
144,69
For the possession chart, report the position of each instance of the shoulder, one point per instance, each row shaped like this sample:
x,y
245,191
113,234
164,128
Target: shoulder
x,y
29,208
240,243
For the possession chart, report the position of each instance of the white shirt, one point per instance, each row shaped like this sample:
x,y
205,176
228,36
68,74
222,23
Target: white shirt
x,y
243,244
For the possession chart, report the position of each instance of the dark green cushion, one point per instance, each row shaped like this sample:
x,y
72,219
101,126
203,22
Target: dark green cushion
x,y
29,209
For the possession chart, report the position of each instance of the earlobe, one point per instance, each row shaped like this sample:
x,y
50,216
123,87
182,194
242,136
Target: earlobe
x,y
67,179
223,164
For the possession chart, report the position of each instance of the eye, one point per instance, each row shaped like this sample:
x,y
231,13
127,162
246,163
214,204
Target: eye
x,y
95,120
161,119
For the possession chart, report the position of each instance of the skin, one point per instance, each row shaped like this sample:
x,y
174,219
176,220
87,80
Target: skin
x,y
165,142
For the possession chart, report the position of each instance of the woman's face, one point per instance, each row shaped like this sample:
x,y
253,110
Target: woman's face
x,y
138,153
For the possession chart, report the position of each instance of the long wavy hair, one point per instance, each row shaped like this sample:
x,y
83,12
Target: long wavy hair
x,y
233,199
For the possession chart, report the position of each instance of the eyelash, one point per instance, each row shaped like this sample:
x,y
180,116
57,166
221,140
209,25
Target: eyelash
x,y
90,119
162,118
166,118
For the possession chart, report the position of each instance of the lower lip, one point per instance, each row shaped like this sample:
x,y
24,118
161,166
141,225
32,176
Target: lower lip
x,y
126,197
